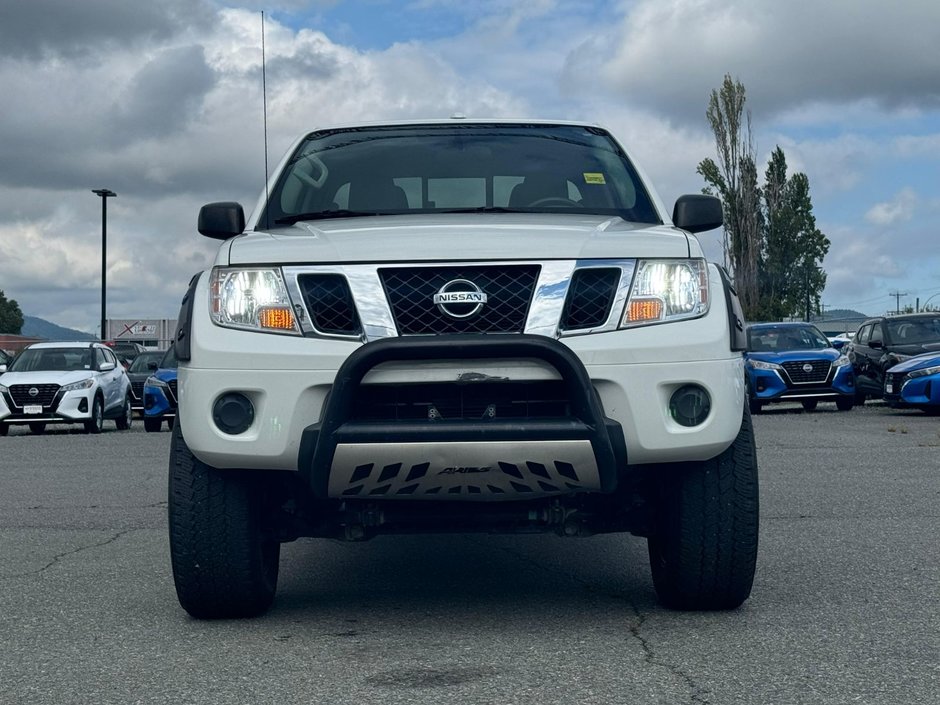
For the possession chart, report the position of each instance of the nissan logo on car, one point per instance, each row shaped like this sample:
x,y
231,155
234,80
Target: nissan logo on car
x,y
807,367
460,298
33,392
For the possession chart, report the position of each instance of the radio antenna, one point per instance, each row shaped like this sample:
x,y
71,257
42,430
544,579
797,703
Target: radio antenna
x,y
264,107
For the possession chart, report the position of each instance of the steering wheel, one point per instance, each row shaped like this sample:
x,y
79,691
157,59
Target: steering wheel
x,y
554,200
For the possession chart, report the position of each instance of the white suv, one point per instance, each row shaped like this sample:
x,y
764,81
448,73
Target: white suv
x,y
460,326
64,383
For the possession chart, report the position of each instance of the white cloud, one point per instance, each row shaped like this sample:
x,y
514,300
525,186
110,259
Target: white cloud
x,y
897,210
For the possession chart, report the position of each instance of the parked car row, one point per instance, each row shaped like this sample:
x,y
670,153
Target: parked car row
x,y
82,383
896,358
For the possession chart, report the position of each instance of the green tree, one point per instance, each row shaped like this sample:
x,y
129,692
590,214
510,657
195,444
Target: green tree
x,y
811,247
11,318
733,178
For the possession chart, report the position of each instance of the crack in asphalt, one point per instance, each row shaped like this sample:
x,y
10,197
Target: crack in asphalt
x,y
56,558
697,693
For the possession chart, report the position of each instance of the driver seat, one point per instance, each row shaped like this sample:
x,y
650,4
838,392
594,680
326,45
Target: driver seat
x,y
537,186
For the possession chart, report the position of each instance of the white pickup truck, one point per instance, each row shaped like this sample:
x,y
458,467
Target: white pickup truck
x,y
460,325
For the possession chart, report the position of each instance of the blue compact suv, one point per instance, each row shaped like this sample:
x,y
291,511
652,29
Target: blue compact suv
x,y
795,362
160,394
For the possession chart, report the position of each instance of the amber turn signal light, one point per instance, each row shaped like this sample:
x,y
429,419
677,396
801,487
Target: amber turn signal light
x,y
276,317
644,310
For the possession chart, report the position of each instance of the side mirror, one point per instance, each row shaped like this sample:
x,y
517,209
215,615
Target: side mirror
x,y
3,368
697,213
106,366
221,220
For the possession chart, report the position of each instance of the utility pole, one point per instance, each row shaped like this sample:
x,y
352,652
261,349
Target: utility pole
x,y
897,296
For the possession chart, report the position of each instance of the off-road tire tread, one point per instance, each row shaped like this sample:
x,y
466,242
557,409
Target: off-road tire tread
x,y
223,565
704,554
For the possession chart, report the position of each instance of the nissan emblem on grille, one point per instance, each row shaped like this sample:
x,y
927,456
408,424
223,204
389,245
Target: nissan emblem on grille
x,y
33,392
807,367
460,298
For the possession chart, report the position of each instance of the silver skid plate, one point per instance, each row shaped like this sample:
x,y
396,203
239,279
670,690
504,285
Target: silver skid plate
x,y
492,471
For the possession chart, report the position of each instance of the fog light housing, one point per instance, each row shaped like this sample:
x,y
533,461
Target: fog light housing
x,y
233,413
690,405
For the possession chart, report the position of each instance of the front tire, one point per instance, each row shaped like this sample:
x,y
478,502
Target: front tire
x,y
96,422
124,421
845,404
704,551
37,428
810,404
225,561
152,425
754,406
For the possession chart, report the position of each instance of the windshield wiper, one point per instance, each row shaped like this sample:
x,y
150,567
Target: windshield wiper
x,y
326,215
481,209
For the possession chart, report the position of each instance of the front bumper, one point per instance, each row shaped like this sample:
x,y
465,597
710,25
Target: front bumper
x,y
917,392
767,386
158,402
66,407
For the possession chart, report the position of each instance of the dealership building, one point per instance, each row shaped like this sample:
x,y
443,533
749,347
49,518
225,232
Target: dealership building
x,y
155,333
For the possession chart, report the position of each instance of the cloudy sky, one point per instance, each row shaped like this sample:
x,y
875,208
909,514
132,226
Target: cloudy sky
x,y
160,101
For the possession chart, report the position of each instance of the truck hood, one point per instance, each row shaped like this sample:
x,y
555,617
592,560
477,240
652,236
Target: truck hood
x,y
415,238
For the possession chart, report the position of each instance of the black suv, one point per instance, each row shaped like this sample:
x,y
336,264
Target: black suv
x,y
885,341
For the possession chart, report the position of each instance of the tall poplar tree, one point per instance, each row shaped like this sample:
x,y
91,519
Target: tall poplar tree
x,y
733,178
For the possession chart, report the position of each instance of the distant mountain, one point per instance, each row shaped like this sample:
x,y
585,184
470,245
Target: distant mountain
x,y
841,313
38,328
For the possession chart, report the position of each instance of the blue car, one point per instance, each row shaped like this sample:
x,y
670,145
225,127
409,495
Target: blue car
x,y
915,383
795,362
160,394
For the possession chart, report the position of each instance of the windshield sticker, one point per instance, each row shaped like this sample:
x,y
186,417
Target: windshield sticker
x,y
594,178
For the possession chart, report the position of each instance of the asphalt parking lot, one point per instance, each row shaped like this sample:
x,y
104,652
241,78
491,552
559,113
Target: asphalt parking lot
x,y
845,607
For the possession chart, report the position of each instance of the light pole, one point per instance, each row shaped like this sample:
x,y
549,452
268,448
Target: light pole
x,y
105,194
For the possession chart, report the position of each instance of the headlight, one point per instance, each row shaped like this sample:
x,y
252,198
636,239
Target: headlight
x,y
75,386
251,299
841,361
667,290
761,365
901,358
155,382
3,390
925,371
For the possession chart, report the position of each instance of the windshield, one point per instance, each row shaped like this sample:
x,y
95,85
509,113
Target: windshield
x,y
143,361
169,359
53,360
453,168
926,330
780,338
